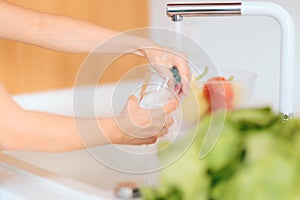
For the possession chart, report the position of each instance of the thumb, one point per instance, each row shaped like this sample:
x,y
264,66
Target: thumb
x,y
171,106
132,102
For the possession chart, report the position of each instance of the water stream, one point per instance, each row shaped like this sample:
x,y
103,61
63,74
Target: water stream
x,y
178,39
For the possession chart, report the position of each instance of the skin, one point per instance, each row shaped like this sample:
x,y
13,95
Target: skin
x,y
37,131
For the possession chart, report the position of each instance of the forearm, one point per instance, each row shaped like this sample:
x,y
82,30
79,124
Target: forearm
x,y
63,33
54,133
47,132
68,35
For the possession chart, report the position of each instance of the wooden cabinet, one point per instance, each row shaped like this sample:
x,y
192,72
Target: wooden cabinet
x,y
27,68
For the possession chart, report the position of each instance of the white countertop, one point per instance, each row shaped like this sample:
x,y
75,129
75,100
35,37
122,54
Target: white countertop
x,y
20,181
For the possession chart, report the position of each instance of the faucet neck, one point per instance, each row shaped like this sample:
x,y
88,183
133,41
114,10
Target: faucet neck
x,y
179,10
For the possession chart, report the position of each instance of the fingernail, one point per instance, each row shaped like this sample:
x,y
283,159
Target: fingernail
x,y
131,98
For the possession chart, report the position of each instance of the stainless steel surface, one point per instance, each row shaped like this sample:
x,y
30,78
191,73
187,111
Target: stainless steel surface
x,y
127,192
179,10
177,18
286,116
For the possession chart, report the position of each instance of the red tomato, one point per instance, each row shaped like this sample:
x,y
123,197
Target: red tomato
x,y
219,93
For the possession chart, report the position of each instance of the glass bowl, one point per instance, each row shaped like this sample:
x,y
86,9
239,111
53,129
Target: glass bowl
x,y
226,89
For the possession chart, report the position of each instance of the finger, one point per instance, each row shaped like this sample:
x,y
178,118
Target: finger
x,y
132,103
165,133
150,140
170,106
185,81
162,132
184,71
185,75
168,122
133,99
166,127
185,89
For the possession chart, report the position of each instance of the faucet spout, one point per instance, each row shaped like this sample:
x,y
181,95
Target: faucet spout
x,y
179,10
176,11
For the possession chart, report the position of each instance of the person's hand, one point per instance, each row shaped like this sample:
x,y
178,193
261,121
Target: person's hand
x,y
142,126
161,58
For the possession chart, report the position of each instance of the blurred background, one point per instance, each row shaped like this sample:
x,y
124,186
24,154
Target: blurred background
x,y
251,43
27,68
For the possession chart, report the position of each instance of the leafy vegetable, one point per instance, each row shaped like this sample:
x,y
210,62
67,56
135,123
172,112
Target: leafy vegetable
x,y
257,157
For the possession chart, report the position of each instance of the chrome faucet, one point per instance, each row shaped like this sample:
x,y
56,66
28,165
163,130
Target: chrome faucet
x,y
179,10
176,11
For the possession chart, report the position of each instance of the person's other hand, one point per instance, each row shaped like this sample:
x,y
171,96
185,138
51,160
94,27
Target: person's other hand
x,y
161,58
143,126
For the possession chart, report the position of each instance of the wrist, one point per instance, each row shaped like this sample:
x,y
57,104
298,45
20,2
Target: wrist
x,y
110,130
145,47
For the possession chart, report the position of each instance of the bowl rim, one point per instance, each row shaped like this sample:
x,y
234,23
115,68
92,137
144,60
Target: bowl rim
x,y
239,75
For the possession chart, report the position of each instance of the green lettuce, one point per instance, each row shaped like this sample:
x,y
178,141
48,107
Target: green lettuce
x,y
257,156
